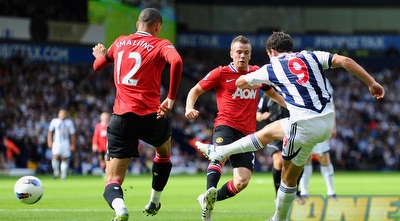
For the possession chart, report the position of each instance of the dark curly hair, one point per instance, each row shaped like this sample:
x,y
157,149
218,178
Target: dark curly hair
x,y
280,42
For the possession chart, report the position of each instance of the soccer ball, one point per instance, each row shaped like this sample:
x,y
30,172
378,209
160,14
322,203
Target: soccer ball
x,y
28,189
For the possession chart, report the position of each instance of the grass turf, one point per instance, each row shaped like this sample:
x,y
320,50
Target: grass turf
x,y
80,197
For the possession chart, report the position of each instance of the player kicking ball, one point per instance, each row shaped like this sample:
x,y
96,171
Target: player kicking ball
x,y
300,78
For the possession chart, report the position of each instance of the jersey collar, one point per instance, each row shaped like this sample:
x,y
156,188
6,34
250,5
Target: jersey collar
x,y
143,33
234,69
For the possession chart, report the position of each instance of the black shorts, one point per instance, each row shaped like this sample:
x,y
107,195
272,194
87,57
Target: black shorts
x,y
225,135
124,132
274,147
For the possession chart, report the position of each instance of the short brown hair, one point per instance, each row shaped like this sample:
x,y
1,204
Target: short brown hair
x,y
150,16
241,39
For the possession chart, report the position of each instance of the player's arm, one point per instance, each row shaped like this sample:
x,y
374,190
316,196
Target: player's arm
x,y
253,80
193,95
353,67
72,140
176,65
72,132
271,92
102,58
260,116
242,83
50,139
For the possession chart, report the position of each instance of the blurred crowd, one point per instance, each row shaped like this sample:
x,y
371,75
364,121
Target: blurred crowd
x,y
31,93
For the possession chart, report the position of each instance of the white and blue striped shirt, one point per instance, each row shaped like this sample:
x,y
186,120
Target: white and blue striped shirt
x,y
300,79
63,129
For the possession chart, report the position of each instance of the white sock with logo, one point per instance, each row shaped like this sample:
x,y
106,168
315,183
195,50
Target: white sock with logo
x,y
249,143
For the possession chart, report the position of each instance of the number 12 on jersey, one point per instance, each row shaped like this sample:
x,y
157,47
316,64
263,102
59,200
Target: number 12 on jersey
x,y
128,78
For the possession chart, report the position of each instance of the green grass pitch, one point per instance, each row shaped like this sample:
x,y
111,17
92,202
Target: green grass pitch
x,y
80,197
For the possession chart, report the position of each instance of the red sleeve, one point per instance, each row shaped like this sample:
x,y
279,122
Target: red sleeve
x,y
101,62
175,60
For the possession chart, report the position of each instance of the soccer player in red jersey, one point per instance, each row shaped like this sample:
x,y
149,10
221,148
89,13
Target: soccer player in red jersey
x,y
139,60
236,118
99,139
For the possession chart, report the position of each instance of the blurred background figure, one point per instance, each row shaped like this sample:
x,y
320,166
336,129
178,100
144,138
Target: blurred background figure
x,y
61,139
99,140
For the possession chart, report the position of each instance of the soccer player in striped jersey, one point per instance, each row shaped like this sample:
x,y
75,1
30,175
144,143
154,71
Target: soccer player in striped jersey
x,y
61,140
299,77
235,119
139,60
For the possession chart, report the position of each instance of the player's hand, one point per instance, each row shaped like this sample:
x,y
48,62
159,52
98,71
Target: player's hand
x,y
377,90
165,107
99,50
192,114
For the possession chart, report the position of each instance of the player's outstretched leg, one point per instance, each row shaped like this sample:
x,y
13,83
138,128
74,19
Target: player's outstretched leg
x,y
207,201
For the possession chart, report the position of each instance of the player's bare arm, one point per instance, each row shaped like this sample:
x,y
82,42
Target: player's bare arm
x,y
190,112
275,96
50,139
242,83
72,140
376,90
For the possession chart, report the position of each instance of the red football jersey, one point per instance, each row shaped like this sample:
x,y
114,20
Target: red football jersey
x,y
139,60
236,107
100,137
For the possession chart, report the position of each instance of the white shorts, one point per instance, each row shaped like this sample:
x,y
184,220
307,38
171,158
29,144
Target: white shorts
x,y
321,148
301,137
63,151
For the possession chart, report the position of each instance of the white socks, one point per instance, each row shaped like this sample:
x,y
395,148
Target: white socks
x,y
55,163
64,169
305,179
284,200
327,172
118,204
155,196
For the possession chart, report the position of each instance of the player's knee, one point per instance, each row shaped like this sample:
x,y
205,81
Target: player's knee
x,y
324,160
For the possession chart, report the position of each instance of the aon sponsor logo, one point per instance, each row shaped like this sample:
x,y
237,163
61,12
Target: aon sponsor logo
x,y
348,208
244,93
